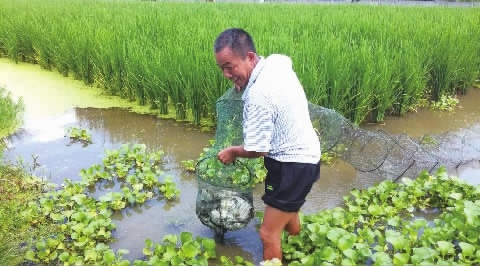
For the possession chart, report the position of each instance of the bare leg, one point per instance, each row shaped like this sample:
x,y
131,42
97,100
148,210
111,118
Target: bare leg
x,y
293,226
274,222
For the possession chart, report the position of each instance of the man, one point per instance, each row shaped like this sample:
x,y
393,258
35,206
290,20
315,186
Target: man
x,y
276,125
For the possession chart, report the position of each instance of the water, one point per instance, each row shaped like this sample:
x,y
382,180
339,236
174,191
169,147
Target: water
x,y
55,103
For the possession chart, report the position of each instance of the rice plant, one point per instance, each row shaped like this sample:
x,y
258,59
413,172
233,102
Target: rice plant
x,y
363,61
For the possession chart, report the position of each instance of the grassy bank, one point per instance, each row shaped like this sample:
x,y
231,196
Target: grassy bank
x,y
17,190
363,61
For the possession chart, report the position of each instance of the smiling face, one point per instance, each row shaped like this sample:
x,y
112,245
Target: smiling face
x,y
236,68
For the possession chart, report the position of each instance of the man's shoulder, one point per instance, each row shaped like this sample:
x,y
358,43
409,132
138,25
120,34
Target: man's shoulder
x,y
279,59
277,73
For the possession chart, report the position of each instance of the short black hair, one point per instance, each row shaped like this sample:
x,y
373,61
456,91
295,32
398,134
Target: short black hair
x,y
236,39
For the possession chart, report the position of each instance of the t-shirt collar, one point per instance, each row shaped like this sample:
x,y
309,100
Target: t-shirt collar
x,y
256,72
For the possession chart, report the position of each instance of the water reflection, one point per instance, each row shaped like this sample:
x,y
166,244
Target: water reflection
x,y
179,141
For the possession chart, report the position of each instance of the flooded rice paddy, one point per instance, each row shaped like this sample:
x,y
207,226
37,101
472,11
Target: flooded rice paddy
x,y
54,103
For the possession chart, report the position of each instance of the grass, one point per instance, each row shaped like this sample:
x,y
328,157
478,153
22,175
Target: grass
x,y
17,189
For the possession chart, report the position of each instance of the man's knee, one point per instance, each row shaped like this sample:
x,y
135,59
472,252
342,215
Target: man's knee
x,y
293,230
293,227
265,235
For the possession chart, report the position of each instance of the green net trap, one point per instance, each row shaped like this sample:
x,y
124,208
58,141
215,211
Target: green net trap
x,y
225,198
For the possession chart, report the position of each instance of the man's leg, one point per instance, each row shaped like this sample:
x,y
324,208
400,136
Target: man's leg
x,y
293,226
274,222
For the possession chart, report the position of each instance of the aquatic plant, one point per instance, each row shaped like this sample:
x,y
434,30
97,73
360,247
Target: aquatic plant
x,y
83,222
214,171
445,103
16,189
182,250
243,172
77,134
383,225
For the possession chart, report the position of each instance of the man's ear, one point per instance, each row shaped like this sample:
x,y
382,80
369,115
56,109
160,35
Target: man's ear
x,y
252,57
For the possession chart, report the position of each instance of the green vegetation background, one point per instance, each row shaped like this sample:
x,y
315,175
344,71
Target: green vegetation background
x,y
363,61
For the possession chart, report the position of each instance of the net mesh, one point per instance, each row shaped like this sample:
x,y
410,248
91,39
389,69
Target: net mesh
x,y
393,156
225,198
375,152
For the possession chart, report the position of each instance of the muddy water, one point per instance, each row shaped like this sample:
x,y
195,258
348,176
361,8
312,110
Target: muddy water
x,y
465,119
54,103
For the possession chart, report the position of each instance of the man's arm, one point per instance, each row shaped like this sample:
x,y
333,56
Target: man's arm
x,y
229,154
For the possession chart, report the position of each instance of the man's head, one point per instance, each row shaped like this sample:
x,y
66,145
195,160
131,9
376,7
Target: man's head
x,y
236,56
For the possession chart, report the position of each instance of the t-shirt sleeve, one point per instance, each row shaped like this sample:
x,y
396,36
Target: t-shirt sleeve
x,y
257,127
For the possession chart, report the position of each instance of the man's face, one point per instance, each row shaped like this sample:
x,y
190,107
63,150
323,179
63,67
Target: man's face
x,y
234,67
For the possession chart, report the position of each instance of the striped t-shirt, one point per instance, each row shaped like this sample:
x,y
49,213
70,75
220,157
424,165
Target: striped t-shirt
x,y
275,115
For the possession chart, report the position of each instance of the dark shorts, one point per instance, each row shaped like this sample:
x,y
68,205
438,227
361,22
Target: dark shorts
x,y
288,183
